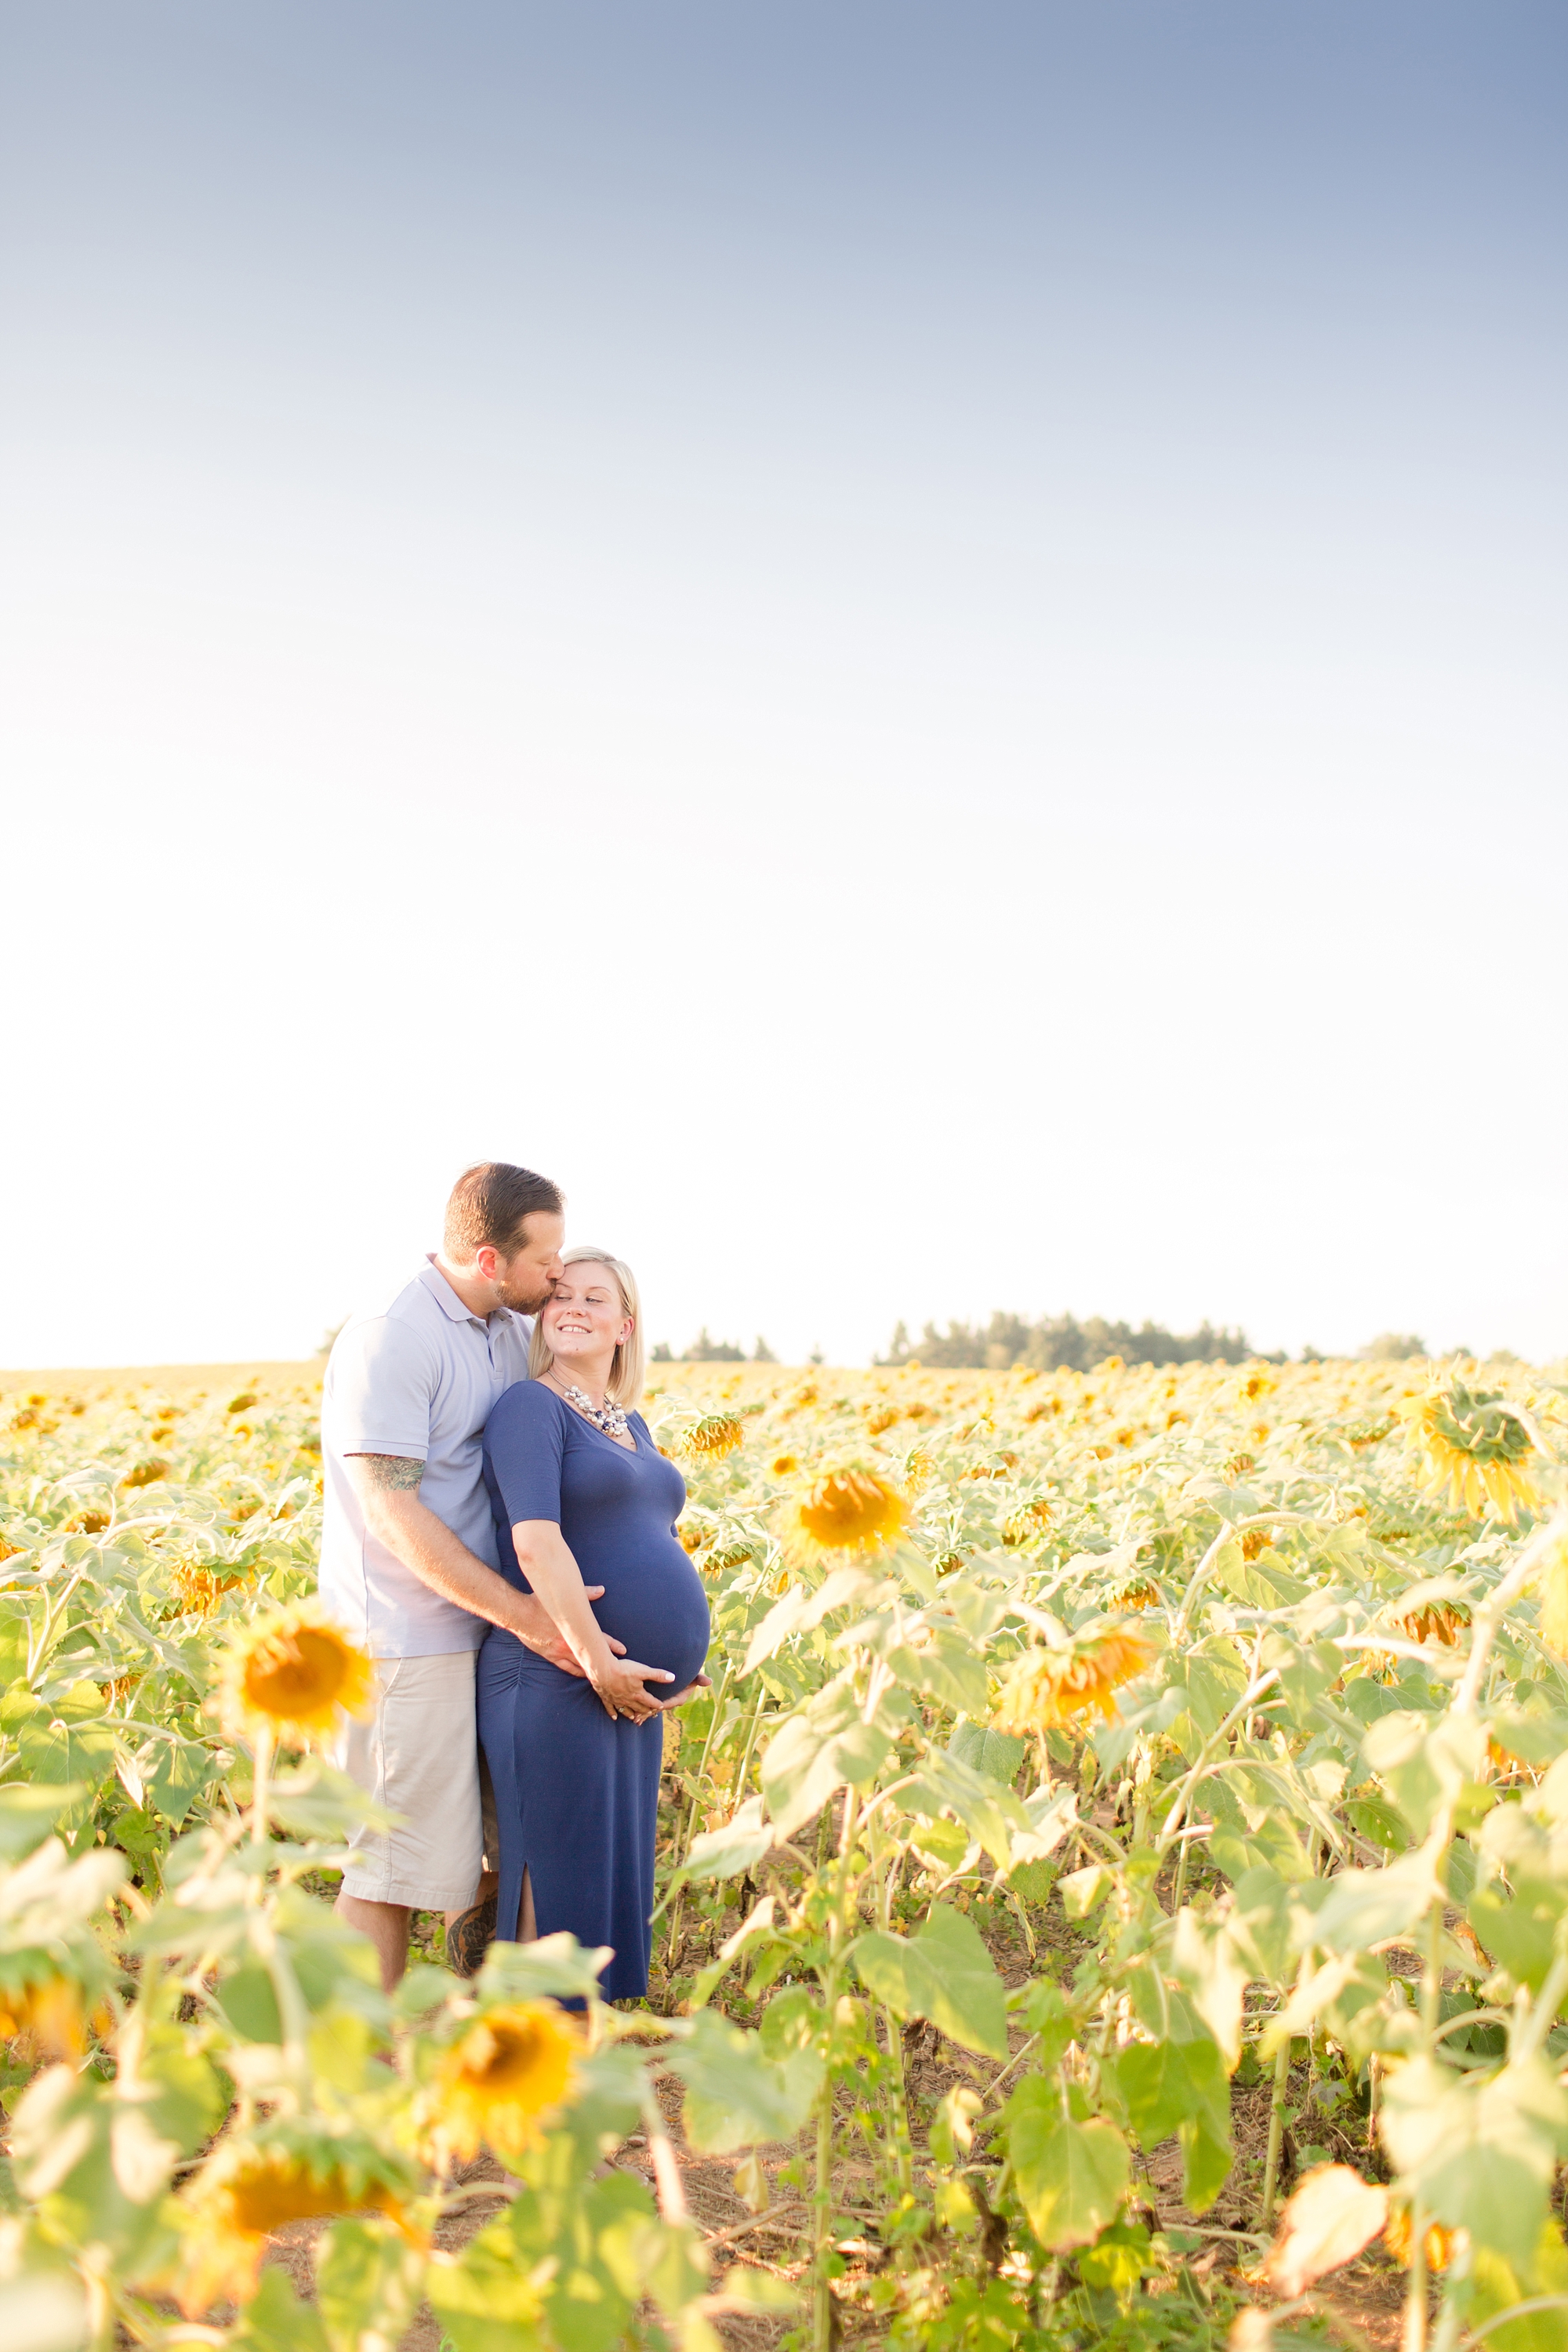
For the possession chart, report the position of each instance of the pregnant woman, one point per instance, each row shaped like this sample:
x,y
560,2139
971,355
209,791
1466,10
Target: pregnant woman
x,y
583,1495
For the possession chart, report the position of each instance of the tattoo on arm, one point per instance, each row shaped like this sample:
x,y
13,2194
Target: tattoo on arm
x,y
395,1472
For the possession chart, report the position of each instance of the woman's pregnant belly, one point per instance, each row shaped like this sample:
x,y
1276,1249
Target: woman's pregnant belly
x,y
656,1606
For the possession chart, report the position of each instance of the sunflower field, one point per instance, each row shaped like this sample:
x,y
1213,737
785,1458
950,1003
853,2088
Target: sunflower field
x,y
1115,1890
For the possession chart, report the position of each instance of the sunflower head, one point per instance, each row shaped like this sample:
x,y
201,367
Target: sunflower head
x,y
1046,1689
504,2077
197,1589
1138,1591
1475,1448
716,1434
1397,2237
250,2187
784,1466
1026,1521
48,2012
847,1510
294,1674
1439,1621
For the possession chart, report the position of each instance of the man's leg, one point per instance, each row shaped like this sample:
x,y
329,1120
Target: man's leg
x,y
386,1924
472,1931
414,1757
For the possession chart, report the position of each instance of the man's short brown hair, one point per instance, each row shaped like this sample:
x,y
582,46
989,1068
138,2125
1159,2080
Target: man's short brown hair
x,y
489,1205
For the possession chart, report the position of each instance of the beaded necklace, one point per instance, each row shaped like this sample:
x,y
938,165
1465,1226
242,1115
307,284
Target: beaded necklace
x,y
606,1416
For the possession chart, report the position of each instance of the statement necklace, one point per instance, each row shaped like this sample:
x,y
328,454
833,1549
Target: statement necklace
x,y
606,1416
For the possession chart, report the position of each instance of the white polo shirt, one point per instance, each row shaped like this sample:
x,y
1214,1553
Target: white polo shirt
x,y
417,1380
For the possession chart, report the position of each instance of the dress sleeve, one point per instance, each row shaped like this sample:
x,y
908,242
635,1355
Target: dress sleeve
x,y
381,1382
526,1436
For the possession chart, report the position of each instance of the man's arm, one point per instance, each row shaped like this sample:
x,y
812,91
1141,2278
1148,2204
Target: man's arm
x,y
387,1485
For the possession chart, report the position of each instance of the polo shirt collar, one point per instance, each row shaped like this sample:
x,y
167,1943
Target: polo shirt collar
x,y
446,1298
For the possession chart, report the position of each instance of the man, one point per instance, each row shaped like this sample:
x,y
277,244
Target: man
x,y
408,1551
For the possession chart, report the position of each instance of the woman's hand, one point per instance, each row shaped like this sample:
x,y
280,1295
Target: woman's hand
x,y
619,1683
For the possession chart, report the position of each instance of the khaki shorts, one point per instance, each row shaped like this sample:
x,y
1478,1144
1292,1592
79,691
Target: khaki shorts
x,y
418,1757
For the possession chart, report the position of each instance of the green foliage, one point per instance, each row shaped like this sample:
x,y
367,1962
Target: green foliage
x,y
1209,1864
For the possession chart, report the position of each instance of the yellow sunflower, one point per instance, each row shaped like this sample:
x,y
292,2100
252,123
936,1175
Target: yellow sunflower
x,y
1476,1448
847,1510
294,1674
251,2187
1397,2234
1045,1688
1438,1620
512,2069
716,1434
198,1589
48,2012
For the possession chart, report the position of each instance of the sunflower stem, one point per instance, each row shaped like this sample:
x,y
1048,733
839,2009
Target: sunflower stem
x,y
261,1789
751,1742
822,2200
1276,2128
702,1764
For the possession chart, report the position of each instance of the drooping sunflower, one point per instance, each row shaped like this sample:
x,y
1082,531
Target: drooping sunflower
x,y
290,2171
1436,1620
197,1589
716,1434
846,1510
1138,1591
294,1674
1046,1689
505,2075
1474,1447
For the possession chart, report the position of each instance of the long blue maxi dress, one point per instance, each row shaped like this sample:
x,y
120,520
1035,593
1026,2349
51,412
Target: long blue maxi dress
x,y
577,1791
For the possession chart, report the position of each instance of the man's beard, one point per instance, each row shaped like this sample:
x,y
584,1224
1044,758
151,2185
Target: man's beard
x,y
527,1300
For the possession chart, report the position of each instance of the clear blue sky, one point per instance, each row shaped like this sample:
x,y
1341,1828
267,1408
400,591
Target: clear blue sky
x,y
920,647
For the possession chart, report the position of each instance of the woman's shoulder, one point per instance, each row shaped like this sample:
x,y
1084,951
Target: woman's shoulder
x,y
527,1404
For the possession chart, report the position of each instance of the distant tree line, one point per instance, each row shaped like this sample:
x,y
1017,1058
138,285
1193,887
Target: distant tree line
x,y
1062,1339
704,1350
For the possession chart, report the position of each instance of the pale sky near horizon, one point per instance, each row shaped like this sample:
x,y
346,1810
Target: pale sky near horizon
x,y
920,648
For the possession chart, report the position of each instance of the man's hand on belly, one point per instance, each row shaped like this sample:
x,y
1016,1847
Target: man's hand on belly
x,y
388,1489
542,1633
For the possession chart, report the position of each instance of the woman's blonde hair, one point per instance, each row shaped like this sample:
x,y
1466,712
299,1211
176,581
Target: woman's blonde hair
x,y
624,1386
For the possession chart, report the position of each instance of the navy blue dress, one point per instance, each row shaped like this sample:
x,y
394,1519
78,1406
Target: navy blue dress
x,y
577,1791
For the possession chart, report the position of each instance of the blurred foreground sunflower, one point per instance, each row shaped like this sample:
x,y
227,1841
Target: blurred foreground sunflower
x,y
509,2071
1045,1688
846,1510
49,2013
290,2171
1552,1586
294,1674
1476,1449
1441,2244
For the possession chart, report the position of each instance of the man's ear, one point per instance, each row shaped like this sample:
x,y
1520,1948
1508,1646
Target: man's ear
x,y
485,1260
